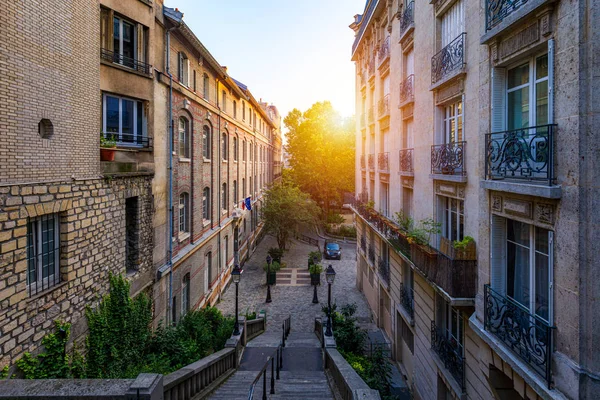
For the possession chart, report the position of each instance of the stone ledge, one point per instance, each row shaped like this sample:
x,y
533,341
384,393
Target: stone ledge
x,y
512,19
528,189
449,178
451,77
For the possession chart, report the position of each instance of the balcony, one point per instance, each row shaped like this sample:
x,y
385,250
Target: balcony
x,y
407,90
406,162
527,335
449,61
133,155
448,159
383,54
362,161
383,267
372,162
383,162
119,59
372,254
450,353
383,107
407,19
497,10
522,155
407,299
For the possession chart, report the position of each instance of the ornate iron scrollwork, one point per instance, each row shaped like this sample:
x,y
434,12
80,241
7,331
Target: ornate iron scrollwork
x,y
497,10
407,89
406,160
449,59
407,17
450,353
448,159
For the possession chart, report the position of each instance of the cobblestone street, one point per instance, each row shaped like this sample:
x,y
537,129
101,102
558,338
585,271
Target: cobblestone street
x,y
294,300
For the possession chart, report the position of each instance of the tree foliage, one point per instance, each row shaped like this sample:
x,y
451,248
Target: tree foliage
x,y
321,146
286,210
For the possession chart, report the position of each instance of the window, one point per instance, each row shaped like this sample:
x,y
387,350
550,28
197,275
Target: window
x,y
206,204
407,201
224,101
194,75
125,35
224,145
235,149
384,194
183,69
243,188
206,142
452,124
527,94
208,272
243,111
43,253
251,148
235,192
453,23
452,218
184,138
124,119
449,321
185,294
226,252
206,87
522,264
174,310
234,109
224,197
131,234
407,335
184,206
244,150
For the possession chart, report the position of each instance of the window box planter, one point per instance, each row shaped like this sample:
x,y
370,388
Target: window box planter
x,y
447,248
107,154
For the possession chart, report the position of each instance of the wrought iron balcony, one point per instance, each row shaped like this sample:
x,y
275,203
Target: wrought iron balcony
x,y
383,267
372,254
362,161
384,51
527,335
407,299
372,162
119,59
383,161
521,154
129,139
449,60
406,160
450,352
407,89
448,159
407,18
384,106
497,10
363,244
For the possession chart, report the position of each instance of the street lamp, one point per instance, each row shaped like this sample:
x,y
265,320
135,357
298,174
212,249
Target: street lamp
x,y
236,274
330,276
269,260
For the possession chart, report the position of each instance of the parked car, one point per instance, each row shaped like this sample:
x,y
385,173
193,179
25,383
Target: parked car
x,y
332,251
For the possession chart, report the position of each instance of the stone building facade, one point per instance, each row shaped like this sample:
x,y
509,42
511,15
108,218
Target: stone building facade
x,y
477,116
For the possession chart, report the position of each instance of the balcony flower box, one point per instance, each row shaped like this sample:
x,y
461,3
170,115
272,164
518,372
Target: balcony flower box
x,y
466,252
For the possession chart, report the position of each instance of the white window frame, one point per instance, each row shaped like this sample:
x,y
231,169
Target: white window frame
x,y
53,277
185,132
206,142
224,196
185,295
452,23
206,204
119,134
446,217
184,204
134,40
451,113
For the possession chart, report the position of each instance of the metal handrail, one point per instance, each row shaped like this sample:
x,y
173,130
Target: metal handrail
x,y
278,353
116,58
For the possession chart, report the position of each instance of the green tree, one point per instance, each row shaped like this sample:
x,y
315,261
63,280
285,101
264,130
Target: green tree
x,y
286,210
321,146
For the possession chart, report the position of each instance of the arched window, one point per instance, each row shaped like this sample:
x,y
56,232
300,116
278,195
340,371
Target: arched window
x,y
243,110
234,109
183,69
206,87
224,145
185,294
206,142
244,150
224,197
206,204
224,101
243,188
184,207
235,149
235,193
184,138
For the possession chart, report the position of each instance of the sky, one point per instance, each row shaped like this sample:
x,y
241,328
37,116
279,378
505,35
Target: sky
x,y
291,53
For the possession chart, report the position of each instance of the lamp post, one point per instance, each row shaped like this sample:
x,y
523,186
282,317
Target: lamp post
x,y
269,260
236,274
330,276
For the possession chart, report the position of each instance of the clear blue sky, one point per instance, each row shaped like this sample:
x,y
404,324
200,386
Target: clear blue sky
x,y
292,53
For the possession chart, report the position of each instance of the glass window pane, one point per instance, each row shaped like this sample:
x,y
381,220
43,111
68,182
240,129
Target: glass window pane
x,y
541,67
541,103
112,114
31,253
517,273
140,122
116,36
518,109
128,42
541,285
517,232
127,120
518,76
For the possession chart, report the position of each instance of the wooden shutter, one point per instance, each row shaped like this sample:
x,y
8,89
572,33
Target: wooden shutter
x,y
106,29
498,101
141,50
498,254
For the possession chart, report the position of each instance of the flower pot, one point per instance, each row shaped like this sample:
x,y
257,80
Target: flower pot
x,y
315,279
107,154
272,278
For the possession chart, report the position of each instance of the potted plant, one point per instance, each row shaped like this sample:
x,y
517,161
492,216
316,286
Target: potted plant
x,y
464,249
108,145
315,274
421,236
314,257
272,272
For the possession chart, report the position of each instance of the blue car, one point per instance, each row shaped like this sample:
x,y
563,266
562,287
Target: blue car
x,y
333,251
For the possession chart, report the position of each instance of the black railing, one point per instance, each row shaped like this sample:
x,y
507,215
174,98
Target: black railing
x,y
372,254
383,107
276,357
384,50
372,161
451,58
129,139
406,160
407,300
407,89
383,161
450,352
128,62
526,334
363,244
362,161
383,267
526,154
448,159
407,18
497,10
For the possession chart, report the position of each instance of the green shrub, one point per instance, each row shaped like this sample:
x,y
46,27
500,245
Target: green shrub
x,y
275,266
275,253
314,255
348,336
335,218
315,269
52,362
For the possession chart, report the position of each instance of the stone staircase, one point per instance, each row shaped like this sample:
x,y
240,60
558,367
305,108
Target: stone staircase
x,y
301,377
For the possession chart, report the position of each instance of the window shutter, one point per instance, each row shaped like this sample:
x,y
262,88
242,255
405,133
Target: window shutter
x,y
180,67
498,99
141,56
551,81
551,277
104,29
498,255
187,71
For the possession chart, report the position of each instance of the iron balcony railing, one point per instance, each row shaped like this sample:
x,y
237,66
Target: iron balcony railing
x,y
406,160
383,161
129,139
526,334
448,60
372,161
407,89
407,18
363,244
497,10
384,51
132,63
407,299
384,106
362,161
523,154
383,267
450,352
372,254
448,159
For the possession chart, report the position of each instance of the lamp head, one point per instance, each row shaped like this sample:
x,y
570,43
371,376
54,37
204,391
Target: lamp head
x,y
269,259
330,275
236,274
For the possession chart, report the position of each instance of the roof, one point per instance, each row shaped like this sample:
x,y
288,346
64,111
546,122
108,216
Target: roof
x,y
364,20
240,84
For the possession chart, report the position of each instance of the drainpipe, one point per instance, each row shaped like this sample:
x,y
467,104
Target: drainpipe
x,y
219,200
170,169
